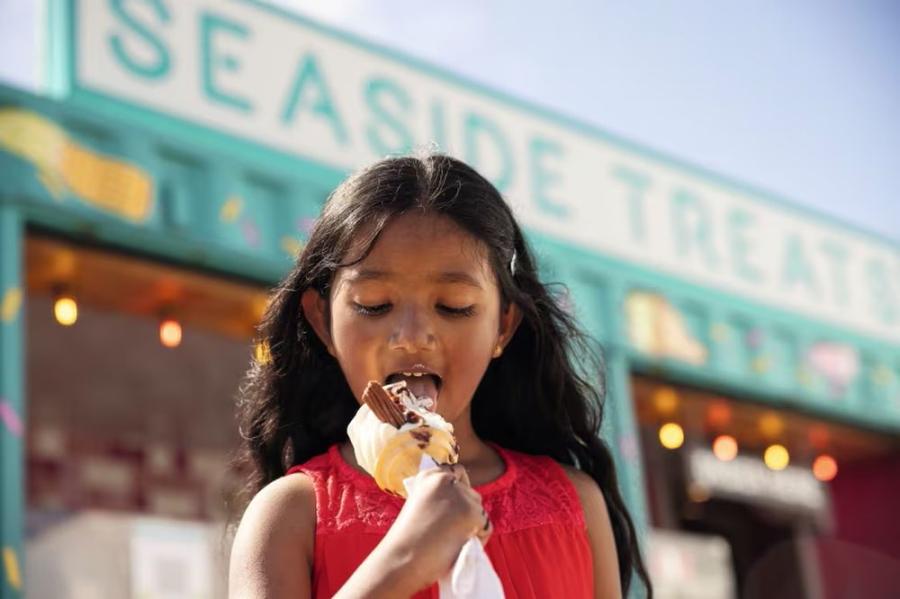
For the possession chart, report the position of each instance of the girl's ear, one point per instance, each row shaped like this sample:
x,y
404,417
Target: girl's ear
x,y
315,311
509,322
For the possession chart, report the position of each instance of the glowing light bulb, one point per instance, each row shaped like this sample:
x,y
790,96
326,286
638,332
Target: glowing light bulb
x,y
665,400
776,457
725,447
825,468
771,424
719,414
65,309
819,436
170,333
671,436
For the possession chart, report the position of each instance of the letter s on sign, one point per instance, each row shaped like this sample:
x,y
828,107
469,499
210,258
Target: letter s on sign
x,y
160,64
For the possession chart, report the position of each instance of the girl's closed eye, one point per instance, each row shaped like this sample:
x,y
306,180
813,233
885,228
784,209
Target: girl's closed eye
x,y
384,308
453,311
371,309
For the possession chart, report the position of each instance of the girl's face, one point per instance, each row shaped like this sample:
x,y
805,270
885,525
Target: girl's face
x,y
424,301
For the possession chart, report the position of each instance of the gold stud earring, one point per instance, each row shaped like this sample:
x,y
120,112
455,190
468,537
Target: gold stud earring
x,y
498,350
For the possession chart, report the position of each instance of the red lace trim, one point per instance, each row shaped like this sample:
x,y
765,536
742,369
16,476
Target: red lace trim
x,y
533,491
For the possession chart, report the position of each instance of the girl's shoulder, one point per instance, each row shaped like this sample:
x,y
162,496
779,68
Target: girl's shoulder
x,y
315,466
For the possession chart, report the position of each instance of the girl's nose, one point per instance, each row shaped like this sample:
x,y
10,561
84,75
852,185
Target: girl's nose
x,y
412,332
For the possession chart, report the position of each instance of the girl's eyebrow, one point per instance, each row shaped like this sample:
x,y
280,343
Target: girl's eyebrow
x,y
453,276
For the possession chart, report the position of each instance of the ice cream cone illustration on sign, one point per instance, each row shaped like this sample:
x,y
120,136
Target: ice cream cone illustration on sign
x,y
64,166
655,327
837,363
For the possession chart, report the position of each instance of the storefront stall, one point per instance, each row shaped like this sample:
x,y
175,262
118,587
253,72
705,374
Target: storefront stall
x,y
172,167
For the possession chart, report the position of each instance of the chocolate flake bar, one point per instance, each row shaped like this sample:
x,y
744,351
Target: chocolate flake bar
x,y
383,405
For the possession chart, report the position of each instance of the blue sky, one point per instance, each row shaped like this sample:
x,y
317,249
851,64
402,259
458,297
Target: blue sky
x,y
798,98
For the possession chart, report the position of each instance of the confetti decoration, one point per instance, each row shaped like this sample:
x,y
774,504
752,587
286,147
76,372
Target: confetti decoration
x,y
251,233
882,376
11,564
231,209
291,246
761,364
629,448
10,419
305,225
804,377
719,332
755,338
10,304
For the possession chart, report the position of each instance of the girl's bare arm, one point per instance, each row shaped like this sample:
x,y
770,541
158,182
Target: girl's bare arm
x,y
600,535
272,552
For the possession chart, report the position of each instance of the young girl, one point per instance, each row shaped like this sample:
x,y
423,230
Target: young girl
x,y
417,268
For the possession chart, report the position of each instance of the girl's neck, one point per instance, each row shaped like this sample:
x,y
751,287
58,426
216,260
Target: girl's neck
x,y
473,451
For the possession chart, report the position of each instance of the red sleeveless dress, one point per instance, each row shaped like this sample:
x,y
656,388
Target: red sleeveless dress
x,y
539,546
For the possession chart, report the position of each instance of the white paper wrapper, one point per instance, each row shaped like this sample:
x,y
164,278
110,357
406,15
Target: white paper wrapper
x,y
473,575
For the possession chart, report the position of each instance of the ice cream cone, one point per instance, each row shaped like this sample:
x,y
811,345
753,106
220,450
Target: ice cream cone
x,y
401,455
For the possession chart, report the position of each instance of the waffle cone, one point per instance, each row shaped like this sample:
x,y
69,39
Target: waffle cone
x,y
402,454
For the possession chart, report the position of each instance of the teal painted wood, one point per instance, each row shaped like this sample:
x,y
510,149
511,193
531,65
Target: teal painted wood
x,y
755,352
62,80
625,444
207,209
217,211
12,405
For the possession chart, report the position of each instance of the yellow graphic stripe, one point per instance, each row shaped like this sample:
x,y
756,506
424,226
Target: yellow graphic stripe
x,y
11,565
105,183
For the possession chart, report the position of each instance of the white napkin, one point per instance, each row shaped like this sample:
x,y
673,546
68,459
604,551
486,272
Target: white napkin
x,y
473,575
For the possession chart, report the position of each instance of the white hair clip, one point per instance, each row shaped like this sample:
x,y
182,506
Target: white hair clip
x,y
512,264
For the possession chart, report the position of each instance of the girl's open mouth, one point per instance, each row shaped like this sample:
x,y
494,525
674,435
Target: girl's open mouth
x,y
421,384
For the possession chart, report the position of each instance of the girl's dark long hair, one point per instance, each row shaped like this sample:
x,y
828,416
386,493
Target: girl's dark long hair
x,y
533,399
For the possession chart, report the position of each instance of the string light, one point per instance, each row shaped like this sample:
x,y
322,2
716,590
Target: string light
x,y
825,468
65,309
771,425
671,436
725,447
819,436
665,400
170,332
719,414
777,457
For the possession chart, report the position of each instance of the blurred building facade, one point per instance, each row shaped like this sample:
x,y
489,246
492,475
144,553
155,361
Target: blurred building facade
x,y
169,169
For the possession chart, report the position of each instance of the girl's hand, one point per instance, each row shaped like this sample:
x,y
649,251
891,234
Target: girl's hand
x,y
441,513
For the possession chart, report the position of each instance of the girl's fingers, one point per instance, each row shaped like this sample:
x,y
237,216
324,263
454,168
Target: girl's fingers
x,y
460,478
484,532
459,473
465,477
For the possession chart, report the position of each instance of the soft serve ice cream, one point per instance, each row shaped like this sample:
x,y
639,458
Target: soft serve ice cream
x,y
393,430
